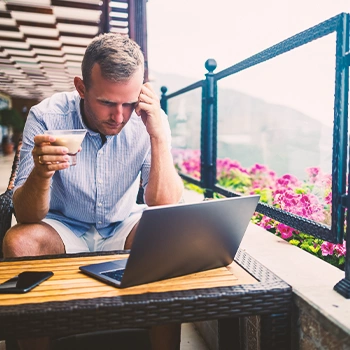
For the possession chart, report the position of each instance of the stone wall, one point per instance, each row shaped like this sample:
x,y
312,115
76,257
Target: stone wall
x,y
310,330
316,331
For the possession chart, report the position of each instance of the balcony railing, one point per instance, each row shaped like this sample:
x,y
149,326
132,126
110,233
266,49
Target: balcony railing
x,y
209,139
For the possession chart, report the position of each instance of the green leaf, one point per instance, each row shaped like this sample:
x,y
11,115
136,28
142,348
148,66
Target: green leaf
x,y
294,242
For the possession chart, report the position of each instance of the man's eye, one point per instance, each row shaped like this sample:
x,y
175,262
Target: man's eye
x,y
107,103
129,105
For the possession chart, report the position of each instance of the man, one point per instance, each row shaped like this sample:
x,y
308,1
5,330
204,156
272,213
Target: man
x,y
91,206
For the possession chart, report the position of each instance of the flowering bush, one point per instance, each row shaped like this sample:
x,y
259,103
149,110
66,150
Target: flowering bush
x,y
310,198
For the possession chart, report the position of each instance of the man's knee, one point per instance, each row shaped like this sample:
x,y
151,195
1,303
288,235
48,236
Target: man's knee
x,y
31,240
14,239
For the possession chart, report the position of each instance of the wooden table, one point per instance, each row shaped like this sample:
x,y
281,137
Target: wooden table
x,y
71,302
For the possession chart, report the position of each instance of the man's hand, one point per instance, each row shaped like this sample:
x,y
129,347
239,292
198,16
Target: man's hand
x,y
164,184
48,158
148,108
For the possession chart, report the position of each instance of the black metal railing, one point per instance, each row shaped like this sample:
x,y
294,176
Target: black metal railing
x,y
209,118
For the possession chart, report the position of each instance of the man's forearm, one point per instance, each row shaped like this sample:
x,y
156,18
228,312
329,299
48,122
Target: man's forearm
x,y
164,185
31,200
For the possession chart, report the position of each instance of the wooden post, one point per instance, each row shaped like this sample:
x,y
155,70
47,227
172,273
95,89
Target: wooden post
x,y
138,27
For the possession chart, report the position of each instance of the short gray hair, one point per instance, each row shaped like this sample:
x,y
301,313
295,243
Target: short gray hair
x,y
119,57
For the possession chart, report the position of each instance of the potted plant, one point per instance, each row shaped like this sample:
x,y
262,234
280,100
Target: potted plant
x,y
13,125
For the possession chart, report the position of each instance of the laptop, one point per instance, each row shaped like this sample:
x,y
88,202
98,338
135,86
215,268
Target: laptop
x,y
175,240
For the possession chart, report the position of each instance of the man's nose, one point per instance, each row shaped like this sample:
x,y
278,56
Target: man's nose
x,y
117,113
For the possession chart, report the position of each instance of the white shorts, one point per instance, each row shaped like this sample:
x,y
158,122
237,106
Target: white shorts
x,y
92,241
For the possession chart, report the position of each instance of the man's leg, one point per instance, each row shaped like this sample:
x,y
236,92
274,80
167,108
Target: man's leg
x,y
32,240
164,337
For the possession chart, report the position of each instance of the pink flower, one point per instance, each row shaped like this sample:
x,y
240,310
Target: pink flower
x,y
328,198
313,171
340,249
258,168
327,248
265,222
309,198
288,180
285,231
305,205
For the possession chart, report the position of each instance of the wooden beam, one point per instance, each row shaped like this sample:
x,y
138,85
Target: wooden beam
x,y
6,38
36,24
9,29
5,14
51,48
141,30
77,22
104,18
132,19
77,5
77,35
35,9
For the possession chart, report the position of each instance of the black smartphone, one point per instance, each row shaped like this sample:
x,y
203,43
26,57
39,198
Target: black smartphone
x,y
25,281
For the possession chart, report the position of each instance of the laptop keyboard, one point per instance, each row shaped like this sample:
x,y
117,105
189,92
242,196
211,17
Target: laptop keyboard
x,y
115,274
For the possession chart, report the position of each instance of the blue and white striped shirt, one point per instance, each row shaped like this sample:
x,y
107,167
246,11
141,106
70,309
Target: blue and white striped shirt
x,y
101,189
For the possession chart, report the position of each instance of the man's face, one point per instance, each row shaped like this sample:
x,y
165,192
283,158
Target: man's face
x,y
108,105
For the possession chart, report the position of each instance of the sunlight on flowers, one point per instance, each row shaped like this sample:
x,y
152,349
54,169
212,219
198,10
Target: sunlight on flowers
x,y
310,198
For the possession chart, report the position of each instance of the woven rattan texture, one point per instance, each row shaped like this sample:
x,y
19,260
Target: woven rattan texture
x,y
5,215
279,326
269,296
255,268
6,207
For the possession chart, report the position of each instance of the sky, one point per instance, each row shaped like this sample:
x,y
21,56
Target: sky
x,y
183,34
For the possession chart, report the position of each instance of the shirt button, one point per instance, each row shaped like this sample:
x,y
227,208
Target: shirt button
x,y
99,204
99,181
101,152
100,222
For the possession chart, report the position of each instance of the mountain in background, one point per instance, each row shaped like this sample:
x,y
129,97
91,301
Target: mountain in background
x,y
250,130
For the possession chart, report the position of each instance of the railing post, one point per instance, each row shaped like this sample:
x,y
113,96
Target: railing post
x,y
340,129
343,286
341,108
209,130
163,99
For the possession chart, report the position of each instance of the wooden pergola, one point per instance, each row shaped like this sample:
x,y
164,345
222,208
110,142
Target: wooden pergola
x,y
42,42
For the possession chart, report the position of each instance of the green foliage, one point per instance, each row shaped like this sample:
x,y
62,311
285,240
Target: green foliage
x,y
265,194
193,187
294,242
238,181
10,117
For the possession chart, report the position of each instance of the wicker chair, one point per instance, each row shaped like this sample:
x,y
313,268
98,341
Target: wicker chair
x,y
6,206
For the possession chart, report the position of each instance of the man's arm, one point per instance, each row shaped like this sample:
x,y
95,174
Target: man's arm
x,y
164,184
31,200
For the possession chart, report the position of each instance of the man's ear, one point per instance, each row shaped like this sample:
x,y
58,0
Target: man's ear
x,y
79,85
